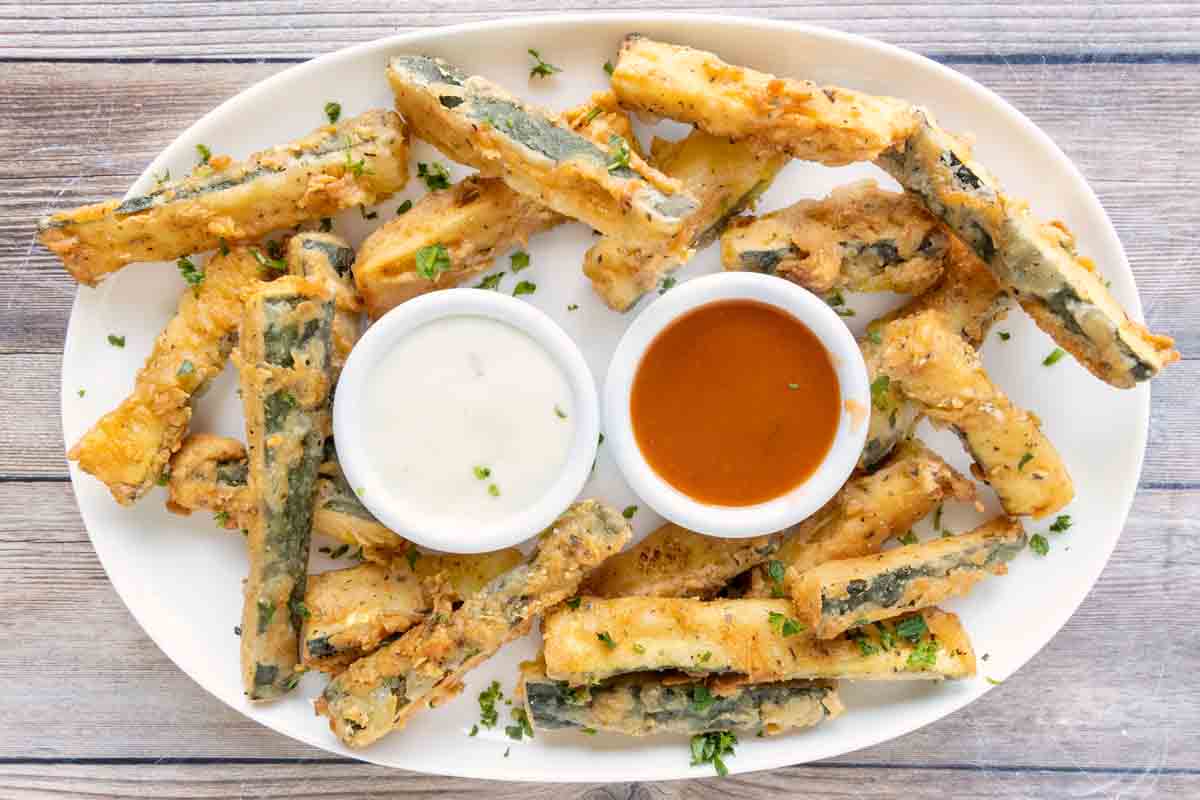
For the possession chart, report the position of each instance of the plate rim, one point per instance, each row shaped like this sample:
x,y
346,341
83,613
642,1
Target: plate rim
x,y
1058,616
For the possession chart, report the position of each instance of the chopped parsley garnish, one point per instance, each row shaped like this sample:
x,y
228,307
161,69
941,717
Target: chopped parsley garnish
x,y
702,698
266,612
1039,544
574,602
411,555
163,177
524,287
490,282
591,115
639,649
522,727
908,538
668,283
713,748
838,304
608,67
865,646
190,272
993,681
874,337
541,69
432,259
356,168
1004,335
1061,523
1055,356
482,473
204,153
887,639
879,392
82,392
435,175
588,731
326,224
608,640
269,264
333,111
299,609
924,656
186,368
164,477
618,153
558,412
474,731
629,512
519,260
488,715
1025,459
793,386
116,341
912,628
222,519
573,307
404,207
339,551
702,658
493,490
785,626
776,571
223,247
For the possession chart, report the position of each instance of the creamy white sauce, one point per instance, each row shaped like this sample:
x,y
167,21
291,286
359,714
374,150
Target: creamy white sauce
x,y
462,393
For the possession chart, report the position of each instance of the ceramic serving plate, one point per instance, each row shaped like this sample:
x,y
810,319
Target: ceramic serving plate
x,y
181,577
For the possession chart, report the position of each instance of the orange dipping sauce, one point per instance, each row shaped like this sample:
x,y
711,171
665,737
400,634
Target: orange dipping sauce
x,y
735,403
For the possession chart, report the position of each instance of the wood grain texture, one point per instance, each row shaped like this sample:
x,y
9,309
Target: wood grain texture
x,y
217,30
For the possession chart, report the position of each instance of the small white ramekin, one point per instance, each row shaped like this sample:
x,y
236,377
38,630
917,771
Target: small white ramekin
x,y
800,502
354,442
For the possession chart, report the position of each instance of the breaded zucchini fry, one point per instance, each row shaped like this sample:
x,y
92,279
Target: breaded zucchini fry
x,y
829,125
938,369
325,259
1036,261
758,639
377,694
128,448
476,220
859,238
724,177
361,160
353,611
476,122
971,300
675,562
283,359
867,511
839,595
650,703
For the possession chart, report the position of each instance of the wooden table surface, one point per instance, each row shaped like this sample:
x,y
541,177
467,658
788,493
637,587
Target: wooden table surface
x,y
90,92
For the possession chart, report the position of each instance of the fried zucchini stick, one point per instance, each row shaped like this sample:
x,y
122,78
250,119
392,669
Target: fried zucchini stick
x,y
724,177
829,125
938,369
425,667
859,238
128,448
1037,262
475,122
757,639
359,161
865,513
648,703
971,300
353,611
326,260
476,220
839,595
283,360
675,562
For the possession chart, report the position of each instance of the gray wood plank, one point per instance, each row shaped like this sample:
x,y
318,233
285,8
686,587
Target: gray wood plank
x,y
1114,688
1128,126
278,29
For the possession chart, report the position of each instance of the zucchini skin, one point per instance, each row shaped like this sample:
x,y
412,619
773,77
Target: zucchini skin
x,y
648,704
675,562
724,177
425,667
477,220
129,447
475,122
859,238
236,201
935,367
284,363
1037,262
326,260
829,125
833,597
716,637
867,511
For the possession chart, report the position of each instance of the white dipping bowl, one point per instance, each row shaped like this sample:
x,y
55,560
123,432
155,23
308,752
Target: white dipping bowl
x,y
354,441
804,499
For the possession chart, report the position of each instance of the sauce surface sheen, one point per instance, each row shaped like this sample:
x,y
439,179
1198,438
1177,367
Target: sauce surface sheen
x,y
735,403
464,404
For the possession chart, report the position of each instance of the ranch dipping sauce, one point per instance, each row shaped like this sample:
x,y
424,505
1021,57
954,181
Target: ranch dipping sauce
x,y
468,420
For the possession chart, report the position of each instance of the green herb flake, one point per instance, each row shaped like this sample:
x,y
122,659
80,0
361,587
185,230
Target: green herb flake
x,y
923,657
355,168
879,392
82,392
116,341
588,731
541,69
702,698
507,750
784,626
271,265
411,555
591,115
162,177
404,207
713,748
865,646
874,337
775,571
1039,544
164,477
482,473
222,519
629,511
608,68
573,307
432,259
1061,523
607,640
490,282
558,412
702,658
1055,356
993,681
519,261
339,551
887,639
333,111
474,731
1004,335
908,538
367,214
204,153
668,283
912,628
493,490
299,609
488,715
574,602
524,287
793,386
618,154
1025,459
266,612
434,174
639,649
